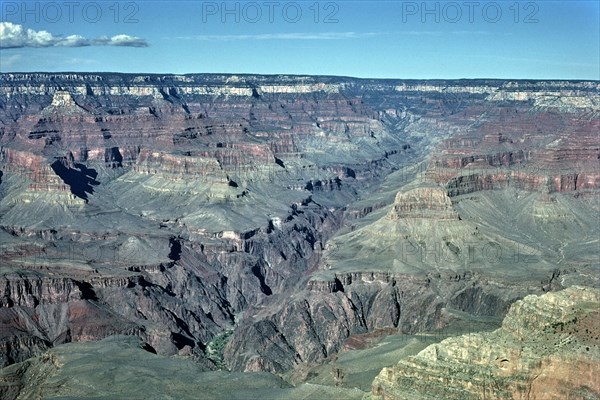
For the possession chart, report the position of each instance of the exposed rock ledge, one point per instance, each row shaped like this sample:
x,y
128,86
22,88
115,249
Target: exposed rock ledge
x,y
423,202
547,348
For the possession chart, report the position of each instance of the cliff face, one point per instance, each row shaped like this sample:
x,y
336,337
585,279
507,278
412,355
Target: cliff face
x,y
547,348
314,324
509,149
433,203
176,208
40,312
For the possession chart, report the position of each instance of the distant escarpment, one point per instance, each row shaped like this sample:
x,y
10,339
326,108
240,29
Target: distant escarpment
x,y
554,155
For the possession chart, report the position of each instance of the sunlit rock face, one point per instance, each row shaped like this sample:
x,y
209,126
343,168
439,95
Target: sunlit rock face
x,y
547,348
423,202
294,211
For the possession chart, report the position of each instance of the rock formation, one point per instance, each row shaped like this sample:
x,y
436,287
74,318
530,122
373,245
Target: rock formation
x,y
285,213
547,348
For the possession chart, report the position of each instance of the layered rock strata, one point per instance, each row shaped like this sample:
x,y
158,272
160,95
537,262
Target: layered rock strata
x,y
547,348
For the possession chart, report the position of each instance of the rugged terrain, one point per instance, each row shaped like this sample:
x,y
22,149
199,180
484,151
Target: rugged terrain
x,y
547,348
263,223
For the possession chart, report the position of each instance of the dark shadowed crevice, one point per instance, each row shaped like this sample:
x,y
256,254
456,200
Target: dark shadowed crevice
x,y
263,286
148,348
81,181
175,246
337,286
87,291
181,341
113,156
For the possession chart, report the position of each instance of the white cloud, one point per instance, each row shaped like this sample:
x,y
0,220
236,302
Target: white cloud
x,y
73,41
120,40
15,36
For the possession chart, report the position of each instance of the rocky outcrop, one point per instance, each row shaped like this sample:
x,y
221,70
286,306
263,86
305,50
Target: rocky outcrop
x,y
38,312
466,184
180,167
547,348
314,325
30,291
63,104
423,202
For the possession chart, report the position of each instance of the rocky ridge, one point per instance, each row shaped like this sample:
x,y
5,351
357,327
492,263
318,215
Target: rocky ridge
x,y
547,348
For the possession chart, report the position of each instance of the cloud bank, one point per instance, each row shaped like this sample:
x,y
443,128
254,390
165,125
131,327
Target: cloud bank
x,y
15,36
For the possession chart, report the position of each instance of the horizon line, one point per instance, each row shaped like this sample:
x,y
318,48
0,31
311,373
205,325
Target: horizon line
x,y
298,75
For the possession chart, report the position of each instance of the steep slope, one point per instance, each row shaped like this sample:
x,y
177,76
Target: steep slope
x,y
547,348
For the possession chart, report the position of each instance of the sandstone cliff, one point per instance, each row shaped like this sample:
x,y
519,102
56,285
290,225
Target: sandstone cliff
x,y
547,348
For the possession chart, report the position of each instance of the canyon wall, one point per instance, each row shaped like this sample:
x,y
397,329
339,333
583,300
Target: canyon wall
x,y
179,207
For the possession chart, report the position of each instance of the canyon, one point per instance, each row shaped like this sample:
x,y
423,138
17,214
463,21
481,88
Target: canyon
x,y
266,229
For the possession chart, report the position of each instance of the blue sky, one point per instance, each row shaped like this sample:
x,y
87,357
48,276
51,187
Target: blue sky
x,y
381,39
